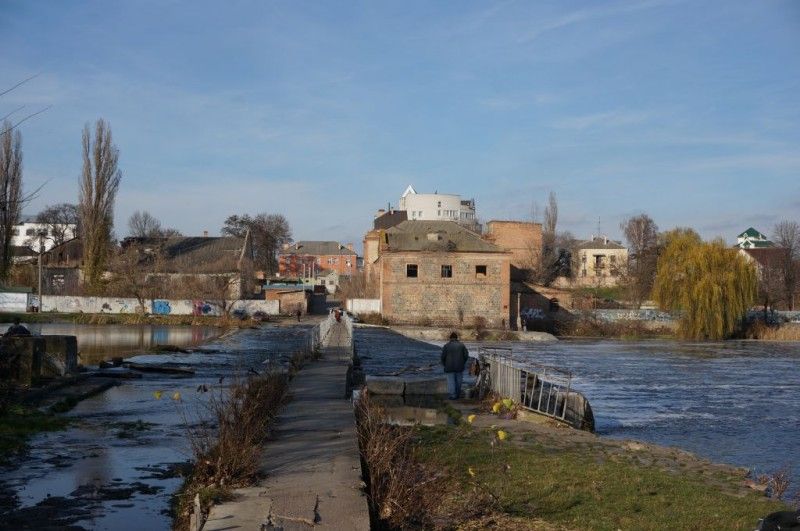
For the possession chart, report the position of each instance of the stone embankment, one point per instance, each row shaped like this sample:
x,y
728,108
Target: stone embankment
x,y
311,465
442,334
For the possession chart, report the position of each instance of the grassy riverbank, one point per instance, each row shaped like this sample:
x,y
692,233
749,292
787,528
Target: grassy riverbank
x,y
508,474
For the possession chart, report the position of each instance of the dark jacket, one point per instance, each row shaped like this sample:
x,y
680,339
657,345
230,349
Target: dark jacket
x,y
454,356
17,330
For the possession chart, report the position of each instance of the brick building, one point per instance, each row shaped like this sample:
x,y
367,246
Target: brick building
x,y
523,239
312,258
438,272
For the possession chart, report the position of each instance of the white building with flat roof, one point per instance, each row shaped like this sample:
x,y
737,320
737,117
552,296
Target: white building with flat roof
x,y
26,233
439,207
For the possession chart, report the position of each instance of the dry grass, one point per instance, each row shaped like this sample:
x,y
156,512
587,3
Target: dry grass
x,y
405,493
227,450
590,326
785,332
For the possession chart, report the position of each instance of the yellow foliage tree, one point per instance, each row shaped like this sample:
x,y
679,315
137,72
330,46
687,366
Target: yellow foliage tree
x,y
709,283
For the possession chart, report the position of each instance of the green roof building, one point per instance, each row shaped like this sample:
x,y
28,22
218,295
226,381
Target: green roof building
x,y
752,239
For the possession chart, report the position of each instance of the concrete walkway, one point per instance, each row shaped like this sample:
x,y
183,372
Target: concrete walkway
x,y
312,465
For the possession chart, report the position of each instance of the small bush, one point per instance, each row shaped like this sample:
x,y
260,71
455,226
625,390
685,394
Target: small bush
x,y
403,494
228,454
785,332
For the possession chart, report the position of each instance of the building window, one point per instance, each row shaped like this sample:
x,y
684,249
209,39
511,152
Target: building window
x,y
480,270
438,213
30,232
15,232
447,271
438,204
411,270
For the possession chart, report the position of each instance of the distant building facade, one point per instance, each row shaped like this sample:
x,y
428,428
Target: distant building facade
x,y
522,239
309,259
26,234
599,261
752,239
439,207
438,272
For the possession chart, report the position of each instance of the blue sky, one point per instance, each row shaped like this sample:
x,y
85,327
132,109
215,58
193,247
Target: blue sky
x,y
326,111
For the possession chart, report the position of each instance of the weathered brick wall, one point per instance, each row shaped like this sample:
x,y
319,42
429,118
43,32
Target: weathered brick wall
x,y
523,239
431,299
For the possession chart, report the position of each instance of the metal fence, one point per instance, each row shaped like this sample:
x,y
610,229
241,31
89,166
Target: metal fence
x,y
534,386
319,335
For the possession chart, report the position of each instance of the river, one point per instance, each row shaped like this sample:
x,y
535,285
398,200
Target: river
x,y
119,462
735,402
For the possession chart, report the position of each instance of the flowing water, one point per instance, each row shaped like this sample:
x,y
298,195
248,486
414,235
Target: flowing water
x,y
735,402
117,465
119,462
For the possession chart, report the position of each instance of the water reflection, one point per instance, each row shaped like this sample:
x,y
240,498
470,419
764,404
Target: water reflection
x,y
99,342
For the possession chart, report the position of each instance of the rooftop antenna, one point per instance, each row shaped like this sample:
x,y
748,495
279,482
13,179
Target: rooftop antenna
x,y
599,232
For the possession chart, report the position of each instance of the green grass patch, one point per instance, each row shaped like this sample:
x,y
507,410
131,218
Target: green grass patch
x,y
575,489
19,423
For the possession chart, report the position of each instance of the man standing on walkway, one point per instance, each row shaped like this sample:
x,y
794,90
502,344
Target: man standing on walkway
x,y
454,359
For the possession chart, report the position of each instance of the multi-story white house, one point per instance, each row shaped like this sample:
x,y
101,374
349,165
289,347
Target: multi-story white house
x,y
26,233
439,207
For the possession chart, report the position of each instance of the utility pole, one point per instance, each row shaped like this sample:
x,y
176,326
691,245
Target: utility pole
x,y
41,252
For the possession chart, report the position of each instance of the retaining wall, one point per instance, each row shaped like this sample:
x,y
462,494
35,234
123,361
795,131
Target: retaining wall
x,y
14,302
359,306
71,304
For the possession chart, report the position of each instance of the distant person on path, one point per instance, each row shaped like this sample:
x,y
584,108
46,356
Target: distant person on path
x,y
454,359
17,329
298,313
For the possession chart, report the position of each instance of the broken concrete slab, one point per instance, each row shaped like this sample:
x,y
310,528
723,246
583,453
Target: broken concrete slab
x,y
385,385
433,386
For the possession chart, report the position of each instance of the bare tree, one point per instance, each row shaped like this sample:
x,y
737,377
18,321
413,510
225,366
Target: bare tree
x,y
98,190
61,221
143,225
786,234
10,194
547,269
269,233
641,232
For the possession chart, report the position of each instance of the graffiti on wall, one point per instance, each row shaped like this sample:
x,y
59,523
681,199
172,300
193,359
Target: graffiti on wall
x,y
161,307
201,307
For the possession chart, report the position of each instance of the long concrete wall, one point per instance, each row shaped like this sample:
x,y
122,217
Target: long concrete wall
x,y
14,302
71,304
358,306
630,315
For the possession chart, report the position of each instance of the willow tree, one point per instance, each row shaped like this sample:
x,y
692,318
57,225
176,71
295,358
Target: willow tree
x,y
98,190
710,284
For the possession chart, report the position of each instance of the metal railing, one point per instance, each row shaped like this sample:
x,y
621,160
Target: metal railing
x,y
319,335
534,386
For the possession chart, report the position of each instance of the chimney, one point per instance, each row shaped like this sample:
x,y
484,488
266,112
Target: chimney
x,y
205,234
350,247
285,246
380,212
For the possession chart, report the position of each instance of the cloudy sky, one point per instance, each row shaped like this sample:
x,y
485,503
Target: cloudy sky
x,y
326,111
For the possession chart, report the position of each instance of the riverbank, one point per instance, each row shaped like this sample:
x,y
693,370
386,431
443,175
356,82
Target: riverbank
x,y
136,319
124,452
488,472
